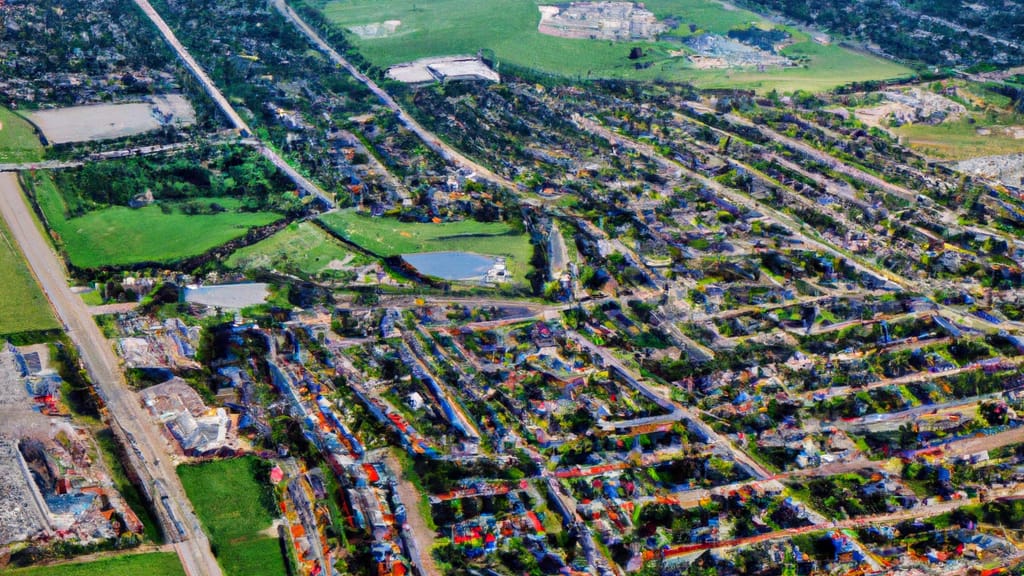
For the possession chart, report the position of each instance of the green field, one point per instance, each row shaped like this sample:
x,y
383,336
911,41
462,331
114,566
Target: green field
x,y
302,248
25,309
509,28
119,235
389,237
235,509
150,564
957,140
18,140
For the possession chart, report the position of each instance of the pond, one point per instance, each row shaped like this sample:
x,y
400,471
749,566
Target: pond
x,y
451,265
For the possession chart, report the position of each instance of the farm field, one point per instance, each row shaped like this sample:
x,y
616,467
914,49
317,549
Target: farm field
x,y
235,508
18,140
302,247
25,309
509,28
150,564
120,236
389,237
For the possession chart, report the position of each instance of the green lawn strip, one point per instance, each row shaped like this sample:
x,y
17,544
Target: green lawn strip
x,y
235,508
120,236
18,140
303,246
509,28
25,308
150,564
135,499
389,237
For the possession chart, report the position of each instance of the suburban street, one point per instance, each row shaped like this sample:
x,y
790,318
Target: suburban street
x,y
432,141
397,291
232,115
154,457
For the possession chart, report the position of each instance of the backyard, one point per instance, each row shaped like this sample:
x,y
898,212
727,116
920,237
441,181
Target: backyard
x,y
236,506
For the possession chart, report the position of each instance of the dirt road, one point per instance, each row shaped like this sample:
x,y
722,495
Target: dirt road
x,y
422,534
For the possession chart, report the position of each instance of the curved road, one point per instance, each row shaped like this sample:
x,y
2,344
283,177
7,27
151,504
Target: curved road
x,y
125,410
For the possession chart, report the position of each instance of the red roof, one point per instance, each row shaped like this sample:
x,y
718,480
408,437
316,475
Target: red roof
x,y
276,474
537,526
371,473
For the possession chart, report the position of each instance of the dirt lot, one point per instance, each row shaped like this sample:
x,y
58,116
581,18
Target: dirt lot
x,y
411,498
110,121
911,107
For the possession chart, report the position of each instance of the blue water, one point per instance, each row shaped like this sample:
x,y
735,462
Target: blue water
x,y
450,265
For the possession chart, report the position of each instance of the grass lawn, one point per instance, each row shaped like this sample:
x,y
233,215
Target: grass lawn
x,y
509,27
958,140
18,140
150,564
389,237
24,307
301,247
828,67
235,508
119,235
92,298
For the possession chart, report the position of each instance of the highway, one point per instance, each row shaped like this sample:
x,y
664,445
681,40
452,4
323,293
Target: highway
x,y
153,456
193,66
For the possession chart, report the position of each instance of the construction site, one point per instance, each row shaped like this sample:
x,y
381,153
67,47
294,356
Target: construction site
x,y
196,429
600,21
53,485
711,51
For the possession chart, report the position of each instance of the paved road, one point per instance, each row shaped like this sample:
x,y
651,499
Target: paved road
x,y
733,196
559,254
119,308
193,66
420,536
917,512
225,106
433,142
124,408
